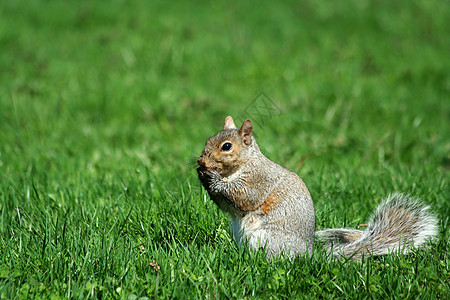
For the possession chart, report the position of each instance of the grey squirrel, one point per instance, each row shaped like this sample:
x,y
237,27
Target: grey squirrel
x,y
270,207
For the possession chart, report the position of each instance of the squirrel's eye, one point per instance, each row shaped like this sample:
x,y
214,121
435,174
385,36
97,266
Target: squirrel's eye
x,y
226,146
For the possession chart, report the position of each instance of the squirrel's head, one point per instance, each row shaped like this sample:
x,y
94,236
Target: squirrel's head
x,y
229,149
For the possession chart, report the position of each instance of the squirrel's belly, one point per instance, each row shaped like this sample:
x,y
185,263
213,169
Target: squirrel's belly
x,y
248,228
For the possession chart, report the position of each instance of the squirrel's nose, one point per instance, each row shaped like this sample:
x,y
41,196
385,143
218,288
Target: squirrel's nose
x,y
202,163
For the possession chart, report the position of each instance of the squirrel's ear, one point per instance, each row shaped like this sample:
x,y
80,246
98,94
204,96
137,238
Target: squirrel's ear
x,y
229,123
246,132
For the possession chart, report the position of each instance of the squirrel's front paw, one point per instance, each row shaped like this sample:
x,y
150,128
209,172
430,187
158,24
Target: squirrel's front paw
x,y
200,172
209,178
203,177
213,175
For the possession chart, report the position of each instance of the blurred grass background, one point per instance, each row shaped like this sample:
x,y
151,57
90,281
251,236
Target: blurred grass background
x,y
104,107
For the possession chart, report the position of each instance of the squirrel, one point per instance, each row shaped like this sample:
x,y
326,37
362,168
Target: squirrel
x,y
271,208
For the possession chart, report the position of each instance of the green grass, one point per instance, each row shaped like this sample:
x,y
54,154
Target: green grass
x,y
104,108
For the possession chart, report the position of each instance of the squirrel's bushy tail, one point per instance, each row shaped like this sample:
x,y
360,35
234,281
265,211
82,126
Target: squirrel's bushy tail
x,y
399,223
